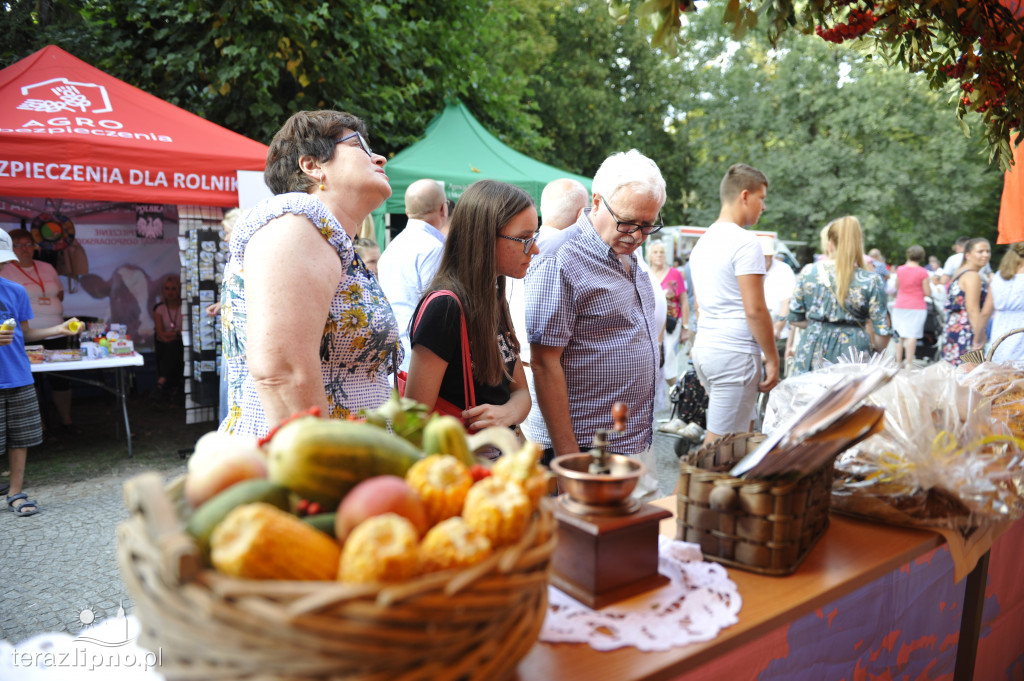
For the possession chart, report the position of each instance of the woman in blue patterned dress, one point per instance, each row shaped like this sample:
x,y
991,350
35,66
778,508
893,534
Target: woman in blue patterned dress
x,y
840,304
966,314
304,322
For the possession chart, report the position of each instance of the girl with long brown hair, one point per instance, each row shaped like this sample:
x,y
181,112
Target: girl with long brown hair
x,y
491,237
841,303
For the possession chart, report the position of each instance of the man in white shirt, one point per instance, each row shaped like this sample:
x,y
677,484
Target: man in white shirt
x,y
409,263
779,282
561,203
734,324
954,261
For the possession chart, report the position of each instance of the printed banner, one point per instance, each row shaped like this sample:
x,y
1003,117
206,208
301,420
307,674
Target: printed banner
x,y
109,271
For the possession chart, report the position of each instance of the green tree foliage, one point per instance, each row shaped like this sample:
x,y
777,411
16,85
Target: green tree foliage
x,y
30,25
247,64
836,133
602,90
976,45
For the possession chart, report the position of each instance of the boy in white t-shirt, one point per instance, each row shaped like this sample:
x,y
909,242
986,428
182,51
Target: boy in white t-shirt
x,y
734,326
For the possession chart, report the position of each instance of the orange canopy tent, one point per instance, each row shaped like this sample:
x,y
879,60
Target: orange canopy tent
x,y
1011,210
71,131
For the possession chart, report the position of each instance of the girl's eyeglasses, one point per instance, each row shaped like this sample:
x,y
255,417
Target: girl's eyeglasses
x,y
527,243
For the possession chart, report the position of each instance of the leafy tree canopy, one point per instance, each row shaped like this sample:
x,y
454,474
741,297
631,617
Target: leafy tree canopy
x,y
249,65
559,80
836,133
977,44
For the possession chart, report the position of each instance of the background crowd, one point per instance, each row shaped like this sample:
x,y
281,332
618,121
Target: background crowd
x,y
480,310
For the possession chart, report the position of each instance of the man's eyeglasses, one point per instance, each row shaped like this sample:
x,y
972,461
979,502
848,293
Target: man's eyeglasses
x,y
527,243
362,142
632,227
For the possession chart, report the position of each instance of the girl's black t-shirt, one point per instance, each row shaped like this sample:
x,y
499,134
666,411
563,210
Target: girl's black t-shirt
x,y
438,330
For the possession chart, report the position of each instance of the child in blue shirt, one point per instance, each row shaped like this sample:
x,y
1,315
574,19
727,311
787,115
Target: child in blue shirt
x,y
20,424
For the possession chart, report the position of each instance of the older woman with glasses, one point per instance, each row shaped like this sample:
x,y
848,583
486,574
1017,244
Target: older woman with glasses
x,y
305,324
492,236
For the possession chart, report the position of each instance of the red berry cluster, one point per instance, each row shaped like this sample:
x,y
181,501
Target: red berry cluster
x,y
859,23
305,507
955,71
998,98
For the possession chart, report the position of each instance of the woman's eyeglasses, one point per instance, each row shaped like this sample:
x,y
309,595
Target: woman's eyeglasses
x,y
362,142
527,243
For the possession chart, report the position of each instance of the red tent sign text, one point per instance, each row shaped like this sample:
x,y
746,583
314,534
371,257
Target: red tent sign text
x,y
70,130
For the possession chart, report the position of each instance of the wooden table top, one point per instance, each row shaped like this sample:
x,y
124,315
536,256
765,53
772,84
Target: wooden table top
x,y
851,553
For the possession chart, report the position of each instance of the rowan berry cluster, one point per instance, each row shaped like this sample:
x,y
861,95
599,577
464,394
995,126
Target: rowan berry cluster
x,y
859,23
955,71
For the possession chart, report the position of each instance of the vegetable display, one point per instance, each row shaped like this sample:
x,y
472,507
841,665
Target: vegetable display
x,y
351,501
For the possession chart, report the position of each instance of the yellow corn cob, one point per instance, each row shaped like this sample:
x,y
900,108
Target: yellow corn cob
x,y
380,549
442,481
524,469
497,509
452,544
260,541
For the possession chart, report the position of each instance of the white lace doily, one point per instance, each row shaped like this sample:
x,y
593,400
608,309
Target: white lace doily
x,y
699,602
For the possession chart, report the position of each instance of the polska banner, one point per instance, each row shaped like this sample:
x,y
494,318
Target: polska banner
x,y
110,269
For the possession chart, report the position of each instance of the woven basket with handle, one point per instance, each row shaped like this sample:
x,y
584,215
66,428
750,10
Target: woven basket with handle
x,y
977,356
761,526
470,625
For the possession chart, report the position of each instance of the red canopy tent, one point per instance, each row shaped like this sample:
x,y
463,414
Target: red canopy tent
x,y
69,130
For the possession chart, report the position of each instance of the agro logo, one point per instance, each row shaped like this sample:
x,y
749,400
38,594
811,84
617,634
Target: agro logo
x,y
60,94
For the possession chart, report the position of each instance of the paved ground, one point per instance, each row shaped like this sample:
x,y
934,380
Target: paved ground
x,y
62,561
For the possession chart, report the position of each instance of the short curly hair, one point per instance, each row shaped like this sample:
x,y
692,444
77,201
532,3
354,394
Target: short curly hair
x,y
306,133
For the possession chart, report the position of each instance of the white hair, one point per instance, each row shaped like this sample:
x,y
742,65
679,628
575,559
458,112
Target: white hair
x,y
561,202
629,169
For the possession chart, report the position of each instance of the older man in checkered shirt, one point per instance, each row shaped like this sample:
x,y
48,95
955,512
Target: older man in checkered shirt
x,y
590,316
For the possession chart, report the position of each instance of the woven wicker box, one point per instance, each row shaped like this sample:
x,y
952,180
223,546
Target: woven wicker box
x,y
764,527
460,625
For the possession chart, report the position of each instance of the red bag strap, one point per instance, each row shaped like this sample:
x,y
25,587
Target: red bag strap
x,y
468,392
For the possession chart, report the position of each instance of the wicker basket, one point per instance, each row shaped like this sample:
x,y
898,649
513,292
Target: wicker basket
x,y
468,625
764,527
977,356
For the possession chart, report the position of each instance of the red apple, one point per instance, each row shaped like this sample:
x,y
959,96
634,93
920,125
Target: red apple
x,y
376,496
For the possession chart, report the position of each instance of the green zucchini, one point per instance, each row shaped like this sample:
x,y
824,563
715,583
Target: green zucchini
x,y
321,460
209,514
323,522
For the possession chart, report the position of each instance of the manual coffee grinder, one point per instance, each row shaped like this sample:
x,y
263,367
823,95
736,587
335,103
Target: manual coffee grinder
x,y
607,540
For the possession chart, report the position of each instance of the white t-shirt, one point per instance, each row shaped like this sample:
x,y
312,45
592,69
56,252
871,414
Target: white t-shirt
x,y
725,251
952,262
405,270
779,282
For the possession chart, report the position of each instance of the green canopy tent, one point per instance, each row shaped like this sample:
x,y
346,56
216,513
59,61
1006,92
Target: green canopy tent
x,y
458,151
